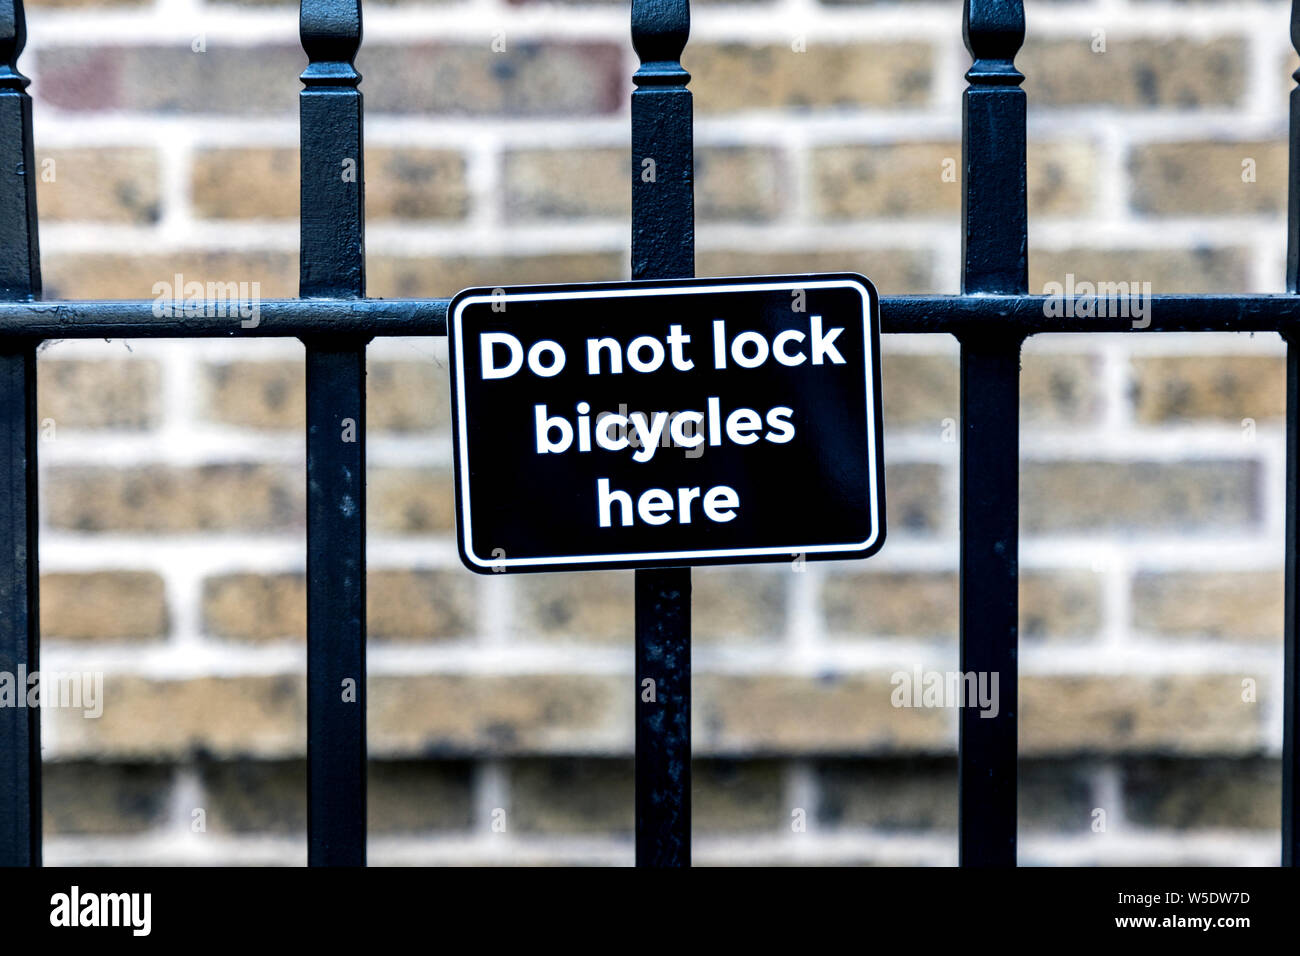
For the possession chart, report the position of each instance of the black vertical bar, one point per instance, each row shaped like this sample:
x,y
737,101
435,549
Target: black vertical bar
x,y
333,264
994,252
20,278
1291,654
663,247
1291,651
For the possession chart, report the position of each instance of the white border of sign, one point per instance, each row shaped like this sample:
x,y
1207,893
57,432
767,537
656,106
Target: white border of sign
x,y
462,426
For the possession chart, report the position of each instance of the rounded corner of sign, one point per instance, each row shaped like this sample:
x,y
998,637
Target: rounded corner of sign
x,y
477,564
874,542
464,298
868,289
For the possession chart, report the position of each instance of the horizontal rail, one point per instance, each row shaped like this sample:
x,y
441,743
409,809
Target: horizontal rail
x,y
136,319
369,318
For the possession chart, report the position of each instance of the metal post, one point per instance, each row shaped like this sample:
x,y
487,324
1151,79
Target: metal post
x,y
333,264
663,247
20,278
1291,652
994,247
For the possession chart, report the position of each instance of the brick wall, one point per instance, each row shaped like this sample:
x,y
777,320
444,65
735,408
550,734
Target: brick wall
x,y
172,473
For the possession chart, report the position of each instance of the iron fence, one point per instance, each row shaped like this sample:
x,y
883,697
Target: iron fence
x,y
991,318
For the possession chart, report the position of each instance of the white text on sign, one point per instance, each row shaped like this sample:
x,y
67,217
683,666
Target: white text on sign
x,y
646,353
504,355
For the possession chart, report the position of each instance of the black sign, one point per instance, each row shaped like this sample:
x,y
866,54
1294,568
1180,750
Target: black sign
x,y
681,422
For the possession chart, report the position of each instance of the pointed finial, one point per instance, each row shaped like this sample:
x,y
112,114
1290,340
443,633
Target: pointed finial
x,y
1295,33
13,37
660,29
331,35
994,31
